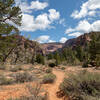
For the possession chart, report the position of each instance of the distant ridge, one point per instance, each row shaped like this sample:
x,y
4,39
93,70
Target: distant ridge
x,y
81,40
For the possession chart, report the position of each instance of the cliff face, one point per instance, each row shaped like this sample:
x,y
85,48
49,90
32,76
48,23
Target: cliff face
x,y
51,47
81,40
25,51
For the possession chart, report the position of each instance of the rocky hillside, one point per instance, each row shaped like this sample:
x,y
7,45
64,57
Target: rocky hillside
x,y
51,47
25,51
81,40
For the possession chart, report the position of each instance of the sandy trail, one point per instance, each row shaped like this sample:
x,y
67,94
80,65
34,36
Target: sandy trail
x,y
53,88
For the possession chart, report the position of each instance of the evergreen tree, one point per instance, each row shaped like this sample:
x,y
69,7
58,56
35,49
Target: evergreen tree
x,y
94,49
10,18
57,58
40,59
70,56
50,56
79,53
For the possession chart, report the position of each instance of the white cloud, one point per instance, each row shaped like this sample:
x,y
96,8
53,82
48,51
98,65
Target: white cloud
x,y
63,40
92,13
43,38
76,34
69,30
38,5
28,23
96,26
83,27
53,14
87,9
62,22
34,5
51,41
41,22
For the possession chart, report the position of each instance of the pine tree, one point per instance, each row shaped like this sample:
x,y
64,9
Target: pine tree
x,y
57,58
70,56
94,49
50,56
79,53
10,19
40,59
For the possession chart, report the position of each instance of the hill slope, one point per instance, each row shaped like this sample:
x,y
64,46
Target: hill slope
x,y
25,51
81,40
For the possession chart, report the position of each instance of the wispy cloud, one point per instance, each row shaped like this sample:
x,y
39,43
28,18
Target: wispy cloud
x,y
63,40
34,5
89,8
41,22
83,27
44,39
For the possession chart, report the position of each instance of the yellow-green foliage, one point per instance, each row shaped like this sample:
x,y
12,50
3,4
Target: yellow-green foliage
x,y
5,81
49,78
49,70
82,86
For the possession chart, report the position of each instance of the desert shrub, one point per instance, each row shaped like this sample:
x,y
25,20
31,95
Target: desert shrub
x,y
13,99
15,68
82,86
49,78
52,65
22,77
63,68
5,81
35,93
49,70
29,98
85,64
2,67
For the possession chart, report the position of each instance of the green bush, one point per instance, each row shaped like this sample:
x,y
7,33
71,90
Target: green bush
x,y
82,86
2,67
49,70
35,93
49,78
63,68
22,77
85,65
29,98
13,99
52,65
5,81
15,68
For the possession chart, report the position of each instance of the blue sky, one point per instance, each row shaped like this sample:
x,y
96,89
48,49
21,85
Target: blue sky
x,y
58,20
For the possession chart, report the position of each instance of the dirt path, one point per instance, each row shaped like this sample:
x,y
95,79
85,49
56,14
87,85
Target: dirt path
x,y
53,88
20,89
